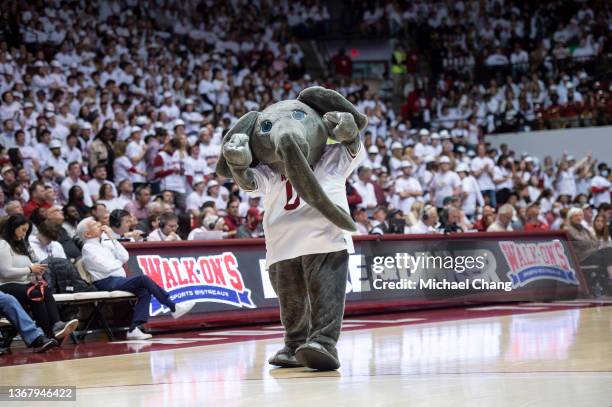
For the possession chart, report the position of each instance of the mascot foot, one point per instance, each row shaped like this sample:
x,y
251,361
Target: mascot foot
x,y
316,356
284,358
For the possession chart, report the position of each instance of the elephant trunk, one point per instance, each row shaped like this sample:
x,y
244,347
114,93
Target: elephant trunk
x,y
290,142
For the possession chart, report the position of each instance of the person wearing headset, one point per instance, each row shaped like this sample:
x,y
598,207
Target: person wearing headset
x,y
120,222
427,223
166,232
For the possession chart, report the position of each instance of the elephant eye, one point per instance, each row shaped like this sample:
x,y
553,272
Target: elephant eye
x,y
266,126
298,115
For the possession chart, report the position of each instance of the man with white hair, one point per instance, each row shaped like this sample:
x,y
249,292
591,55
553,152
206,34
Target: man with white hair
x,y
503,222
104,261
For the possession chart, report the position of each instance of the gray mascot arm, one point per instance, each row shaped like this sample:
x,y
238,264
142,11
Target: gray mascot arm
x,y
238,156
343,128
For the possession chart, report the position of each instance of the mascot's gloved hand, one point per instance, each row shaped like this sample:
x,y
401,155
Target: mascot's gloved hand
x,y
237,152
342,126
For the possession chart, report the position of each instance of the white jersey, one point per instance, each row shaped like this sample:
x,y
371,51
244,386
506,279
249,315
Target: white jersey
x,y
292,227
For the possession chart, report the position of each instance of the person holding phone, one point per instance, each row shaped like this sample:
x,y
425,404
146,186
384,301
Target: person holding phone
x,y
23,278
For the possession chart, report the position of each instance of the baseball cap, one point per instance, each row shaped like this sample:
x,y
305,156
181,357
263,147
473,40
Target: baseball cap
x,y
406,164
444,134
189,101
462,168
167,95
179,122
396,145
429,159
142,120
435,136
212,183
253,212
86,126
198,180
423,132
373,150
135,129
444,159
55,144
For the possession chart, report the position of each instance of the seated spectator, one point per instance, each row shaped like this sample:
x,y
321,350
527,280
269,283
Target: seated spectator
x,y
76,199
138,206
107,197
74,180
600,228
18,273
453,223
197,197
37,198
166,232
428,223
56,214
121,223
533,222
13,207
212,227
503,222
104,261
362,221
72,217
32,335
252,227
45,242
233,219
486,219
100,213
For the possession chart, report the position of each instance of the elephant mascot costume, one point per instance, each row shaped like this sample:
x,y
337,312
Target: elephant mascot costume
x,y
282,154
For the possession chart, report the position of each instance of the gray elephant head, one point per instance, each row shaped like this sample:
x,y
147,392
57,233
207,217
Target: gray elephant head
x,y
290,137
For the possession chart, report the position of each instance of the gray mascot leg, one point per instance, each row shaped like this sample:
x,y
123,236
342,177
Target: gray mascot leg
x,y
326,275
287,279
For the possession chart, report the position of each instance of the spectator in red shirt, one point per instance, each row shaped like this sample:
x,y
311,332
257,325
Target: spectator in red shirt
x,y
233,220
342,64
37,199
533,222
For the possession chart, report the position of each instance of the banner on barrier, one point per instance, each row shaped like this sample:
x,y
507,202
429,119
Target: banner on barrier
x,y
410,271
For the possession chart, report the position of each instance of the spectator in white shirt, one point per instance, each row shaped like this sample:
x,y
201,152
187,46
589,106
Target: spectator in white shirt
x,y
104,261
365,188
407,187
166,232
472,197
482,168
74,178
99,179
45,242
428,222
445,183
503,222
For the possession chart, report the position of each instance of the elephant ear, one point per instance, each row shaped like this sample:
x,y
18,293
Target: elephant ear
x,y
244,125
326,100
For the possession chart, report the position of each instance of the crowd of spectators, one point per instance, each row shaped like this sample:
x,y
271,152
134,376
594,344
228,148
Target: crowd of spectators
x,y
502,66
116,110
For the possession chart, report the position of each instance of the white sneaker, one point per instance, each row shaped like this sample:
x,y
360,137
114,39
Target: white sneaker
x,y
136,334
182,308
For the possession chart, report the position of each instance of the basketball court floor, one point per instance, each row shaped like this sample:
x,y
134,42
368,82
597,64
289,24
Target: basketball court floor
x,y
529,354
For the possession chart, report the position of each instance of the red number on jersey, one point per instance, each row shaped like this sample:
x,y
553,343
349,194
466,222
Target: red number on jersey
x,y
289,189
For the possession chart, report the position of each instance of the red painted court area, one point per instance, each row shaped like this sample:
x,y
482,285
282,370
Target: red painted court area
x,y
98,346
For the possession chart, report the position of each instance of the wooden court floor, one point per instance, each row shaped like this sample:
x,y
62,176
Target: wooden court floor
x,y
549,357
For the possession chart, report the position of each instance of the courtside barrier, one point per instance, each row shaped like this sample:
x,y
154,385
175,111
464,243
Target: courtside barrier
x,y
228,281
